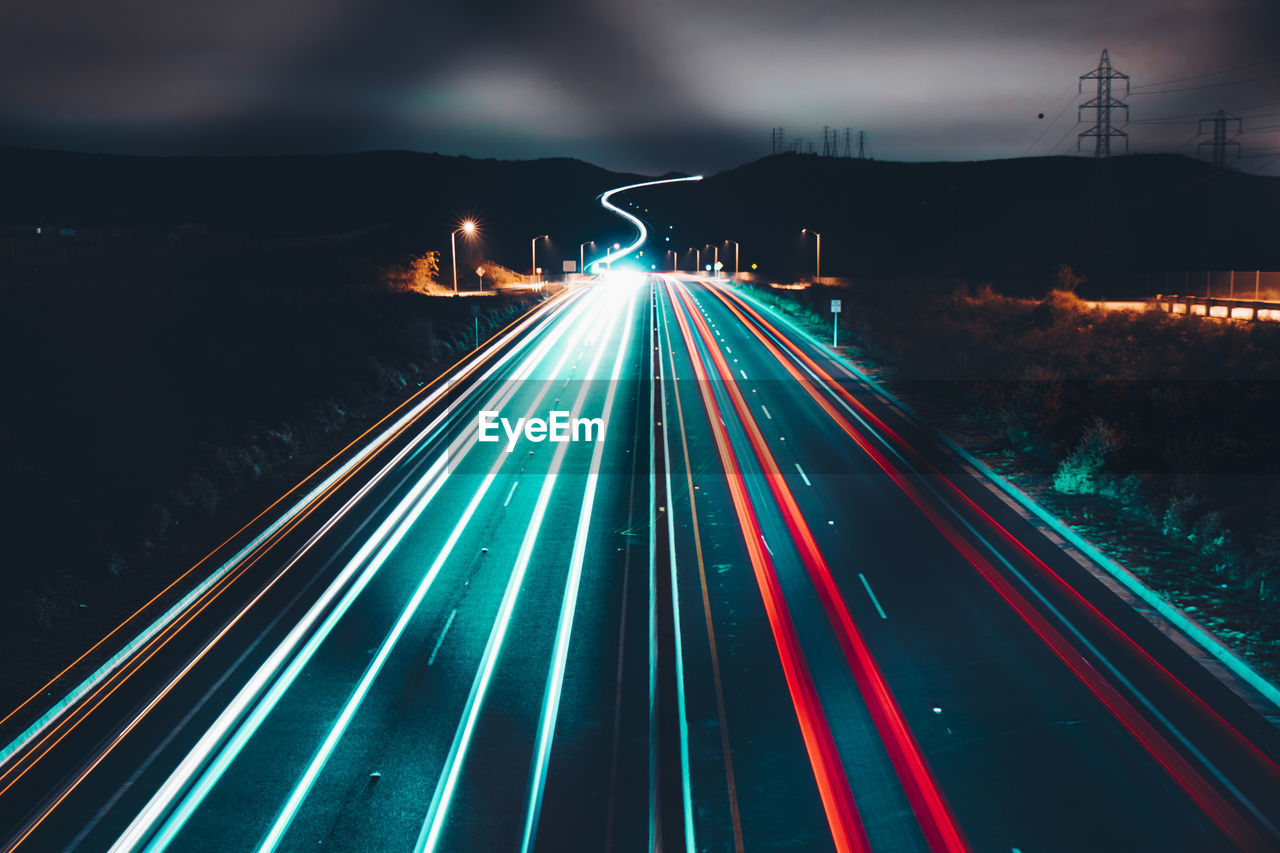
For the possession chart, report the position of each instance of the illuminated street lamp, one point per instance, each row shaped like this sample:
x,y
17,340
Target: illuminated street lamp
x,y
735,256
582,265
715,260
533,256
818,273
480,276
470,228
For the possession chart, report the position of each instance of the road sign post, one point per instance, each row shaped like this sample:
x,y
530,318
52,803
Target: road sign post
x,y
835,315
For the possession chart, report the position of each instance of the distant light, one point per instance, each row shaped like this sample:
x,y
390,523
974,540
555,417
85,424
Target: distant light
x,y
469,226
668,239
708,267
653,266
753,266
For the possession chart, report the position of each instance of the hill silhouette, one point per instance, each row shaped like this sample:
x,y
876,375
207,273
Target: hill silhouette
x,y
1140,213
306,195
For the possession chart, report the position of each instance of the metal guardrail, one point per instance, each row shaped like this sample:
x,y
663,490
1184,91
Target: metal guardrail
x,y
1214,306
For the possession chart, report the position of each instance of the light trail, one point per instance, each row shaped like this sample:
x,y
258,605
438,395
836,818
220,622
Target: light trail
x,y
1172,614
325,487
196,599
932,811
726,751
564,629
151,647
899,446
294,802
433,823
177,784
846,826
642,233
1203,793
686,783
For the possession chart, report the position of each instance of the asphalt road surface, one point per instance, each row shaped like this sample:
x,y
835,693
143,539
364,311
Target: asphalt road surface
x,y
749,604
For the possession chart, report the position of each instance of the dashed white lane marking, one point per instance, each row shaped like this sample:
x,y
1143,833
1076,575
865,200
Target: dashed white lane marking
x,y
766,411
729,350
766,544
743,372
510,493
440,641
803,476
872,595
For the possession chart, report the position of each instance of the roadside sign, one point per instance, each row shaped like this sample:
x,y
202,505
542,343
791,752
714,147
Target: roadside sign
x,y
835,306
569,266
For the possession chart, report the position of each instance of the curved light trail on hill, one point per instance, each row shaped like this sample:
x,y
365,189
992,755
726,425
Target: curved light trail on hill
x,y
642,232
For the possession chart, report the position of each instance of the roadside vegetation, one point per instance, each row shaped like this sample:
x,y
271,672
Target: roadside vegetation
x,y
1150,433
151,409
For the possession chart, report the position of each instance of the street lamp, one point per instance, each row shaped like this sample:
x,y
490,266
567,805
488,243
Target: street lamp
x,y
818,273
582,265
533,256
715,261
697,259
735,256
470,228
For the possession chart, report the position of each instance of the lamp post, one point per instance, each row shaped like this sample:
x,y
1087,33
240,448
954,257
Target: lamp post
x,y
715,260
735,256
469,227
818,273
697,259
533,256
582,259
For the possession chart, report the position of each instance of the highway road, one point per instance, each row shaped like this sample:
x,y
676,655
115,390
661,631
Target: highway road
x,y
750,603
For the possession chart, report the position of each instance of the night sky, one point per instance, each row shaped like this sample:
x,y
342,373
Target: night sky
x,y
644,86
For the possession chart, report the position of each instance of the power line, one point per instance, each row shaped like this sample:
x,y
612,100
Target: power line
x,y
1209,85
1202,76
1266,164
1070,100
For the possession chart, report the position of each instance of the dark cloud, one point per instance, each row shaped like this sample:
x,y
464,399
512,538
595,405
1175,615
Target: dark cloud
x,y
647,86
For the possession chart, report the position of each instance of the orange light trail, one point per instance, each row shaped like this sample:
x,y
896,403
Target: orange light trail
x,y
28,758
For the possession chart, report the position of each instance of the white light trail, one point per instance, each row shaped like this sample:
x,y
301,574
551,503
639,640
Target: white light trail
x,y
642,232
